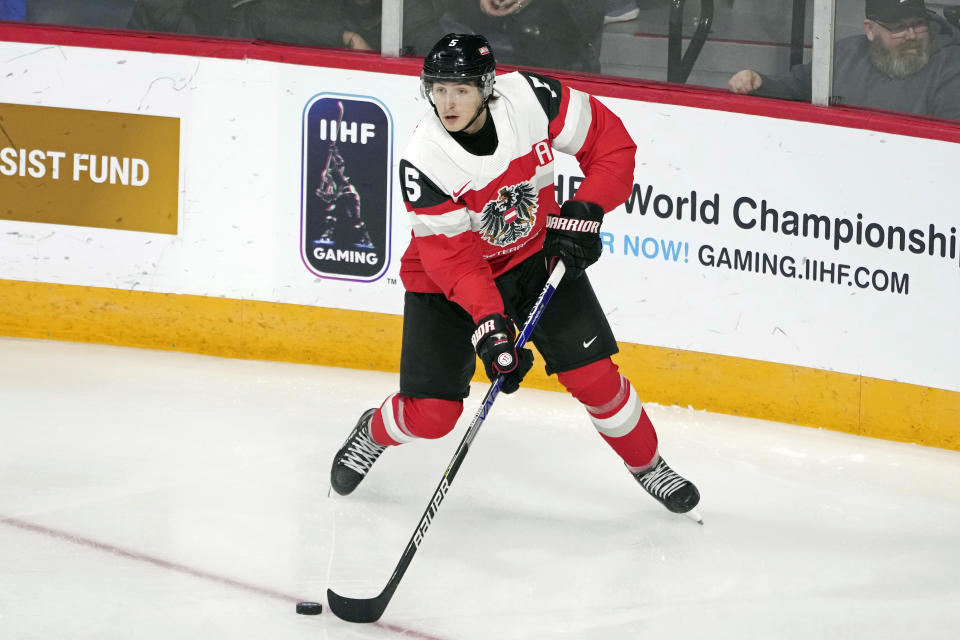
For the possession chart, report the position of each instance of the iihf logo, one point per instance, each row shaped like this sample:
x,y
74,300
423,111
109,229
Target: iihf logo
x,y
511,216
347,185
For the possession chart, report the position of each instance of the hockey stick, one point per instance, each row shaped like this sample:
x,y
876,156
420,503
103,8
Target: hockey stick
x,y
370,609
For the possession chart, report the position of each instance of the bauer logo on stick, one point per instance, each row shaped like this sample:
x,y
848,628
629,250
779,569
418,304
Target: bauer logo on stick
x,y
346,190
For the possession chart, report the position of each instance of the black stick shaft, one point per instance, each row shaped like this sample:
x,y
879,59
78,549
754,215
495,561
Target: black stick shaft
x,y
370,609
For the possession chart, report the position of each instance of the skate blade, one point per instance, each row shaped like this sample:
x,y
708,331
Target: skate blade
x,y
694,515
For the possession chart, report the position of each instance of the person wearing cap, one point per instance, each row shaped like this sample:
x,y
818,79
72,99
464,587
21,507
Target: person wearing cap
x,y
907,60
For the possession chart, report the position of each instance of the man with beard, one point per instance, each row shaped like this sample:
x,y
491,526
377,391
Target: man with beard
x,y
908,60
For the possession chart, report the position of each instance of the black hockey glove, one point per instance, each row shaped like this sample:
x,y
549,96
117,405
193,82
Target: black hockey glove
x,y
494,339
574,237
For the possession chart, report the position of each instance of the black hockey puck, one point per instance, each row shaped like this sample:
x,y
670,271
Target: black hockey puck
x,y
309,608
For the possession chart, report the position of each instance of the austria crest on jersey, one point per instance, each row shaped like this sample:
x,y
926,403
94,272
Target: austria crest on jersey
x,y
347,186
511,216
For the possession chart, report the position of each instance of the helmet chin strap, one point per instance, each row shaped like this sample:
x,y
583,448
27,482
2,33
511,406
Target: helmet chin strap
x,y
483,105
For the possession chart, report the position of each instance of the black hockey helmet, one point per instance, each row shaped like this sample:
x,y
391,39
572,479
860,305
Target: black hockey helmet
x,y
460,57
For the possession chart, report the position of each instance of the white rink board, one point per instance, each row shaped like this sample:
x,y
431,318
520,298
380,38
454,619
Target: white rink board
x,y
239,233
677,301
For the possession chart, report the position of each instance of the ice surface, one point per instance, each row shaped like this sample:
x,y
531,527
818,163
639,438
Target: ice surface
x,y
159,495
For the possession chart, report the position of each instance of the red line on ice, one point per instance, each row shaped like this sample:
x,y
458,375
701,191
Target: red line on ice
x,y
174,566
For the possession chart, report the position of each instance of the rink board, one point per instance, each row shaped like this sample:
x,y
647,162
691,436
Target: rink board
x,y
733,284
294,333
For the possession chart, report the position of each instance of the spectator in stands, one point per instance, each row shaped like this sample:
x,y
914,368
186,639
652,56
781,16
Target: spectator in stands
x,y
13,10
354,24
421,27
556,34
908,60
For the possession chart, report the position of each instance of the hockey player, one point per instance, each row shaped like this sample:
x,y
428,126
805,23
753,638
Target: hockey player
x,y
478,182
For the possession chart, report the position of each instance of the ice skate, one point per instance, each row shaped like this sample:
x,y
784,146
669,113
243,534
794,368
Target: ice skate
x,y
355,457
672,490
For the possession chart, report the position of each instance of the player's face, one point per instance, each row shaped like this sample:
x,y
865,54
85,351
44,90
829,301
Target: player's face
x,y
457,104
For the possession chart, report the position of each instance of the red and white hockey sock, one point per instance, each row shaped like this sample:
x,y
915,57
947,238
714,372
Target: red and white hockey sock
x,y
616,411
400,419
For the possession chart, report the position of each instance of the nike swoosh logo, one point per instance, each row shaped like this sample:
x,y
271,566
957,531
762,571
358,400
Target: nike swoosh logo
x,y
587,343
459,192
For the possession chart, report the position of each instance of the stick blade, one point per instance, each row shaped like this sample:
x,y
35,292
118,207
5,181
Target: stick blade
x,y
363,610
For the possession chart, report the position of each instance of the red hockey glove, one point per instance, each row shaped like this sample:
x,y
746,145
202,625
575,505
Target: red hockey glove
x,y
494,339
574,237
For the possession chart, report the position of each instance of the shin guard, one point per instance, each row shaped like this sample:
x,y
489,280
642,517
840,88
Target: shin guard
x,y
400,419
615,410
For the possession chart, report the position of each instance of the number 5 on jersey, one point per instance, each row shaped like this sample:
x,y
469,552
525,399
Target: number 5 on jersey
x,y
419,191
410,185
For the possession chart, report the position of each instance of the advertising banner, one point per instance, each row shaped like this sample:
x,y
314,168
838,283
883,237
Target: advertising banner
x,y
347,178
89,168
784,241
755,237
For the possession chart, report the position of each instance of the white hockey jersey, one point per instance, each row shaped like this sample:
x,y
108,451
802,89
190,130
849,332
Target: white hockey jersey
x,y
474,217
